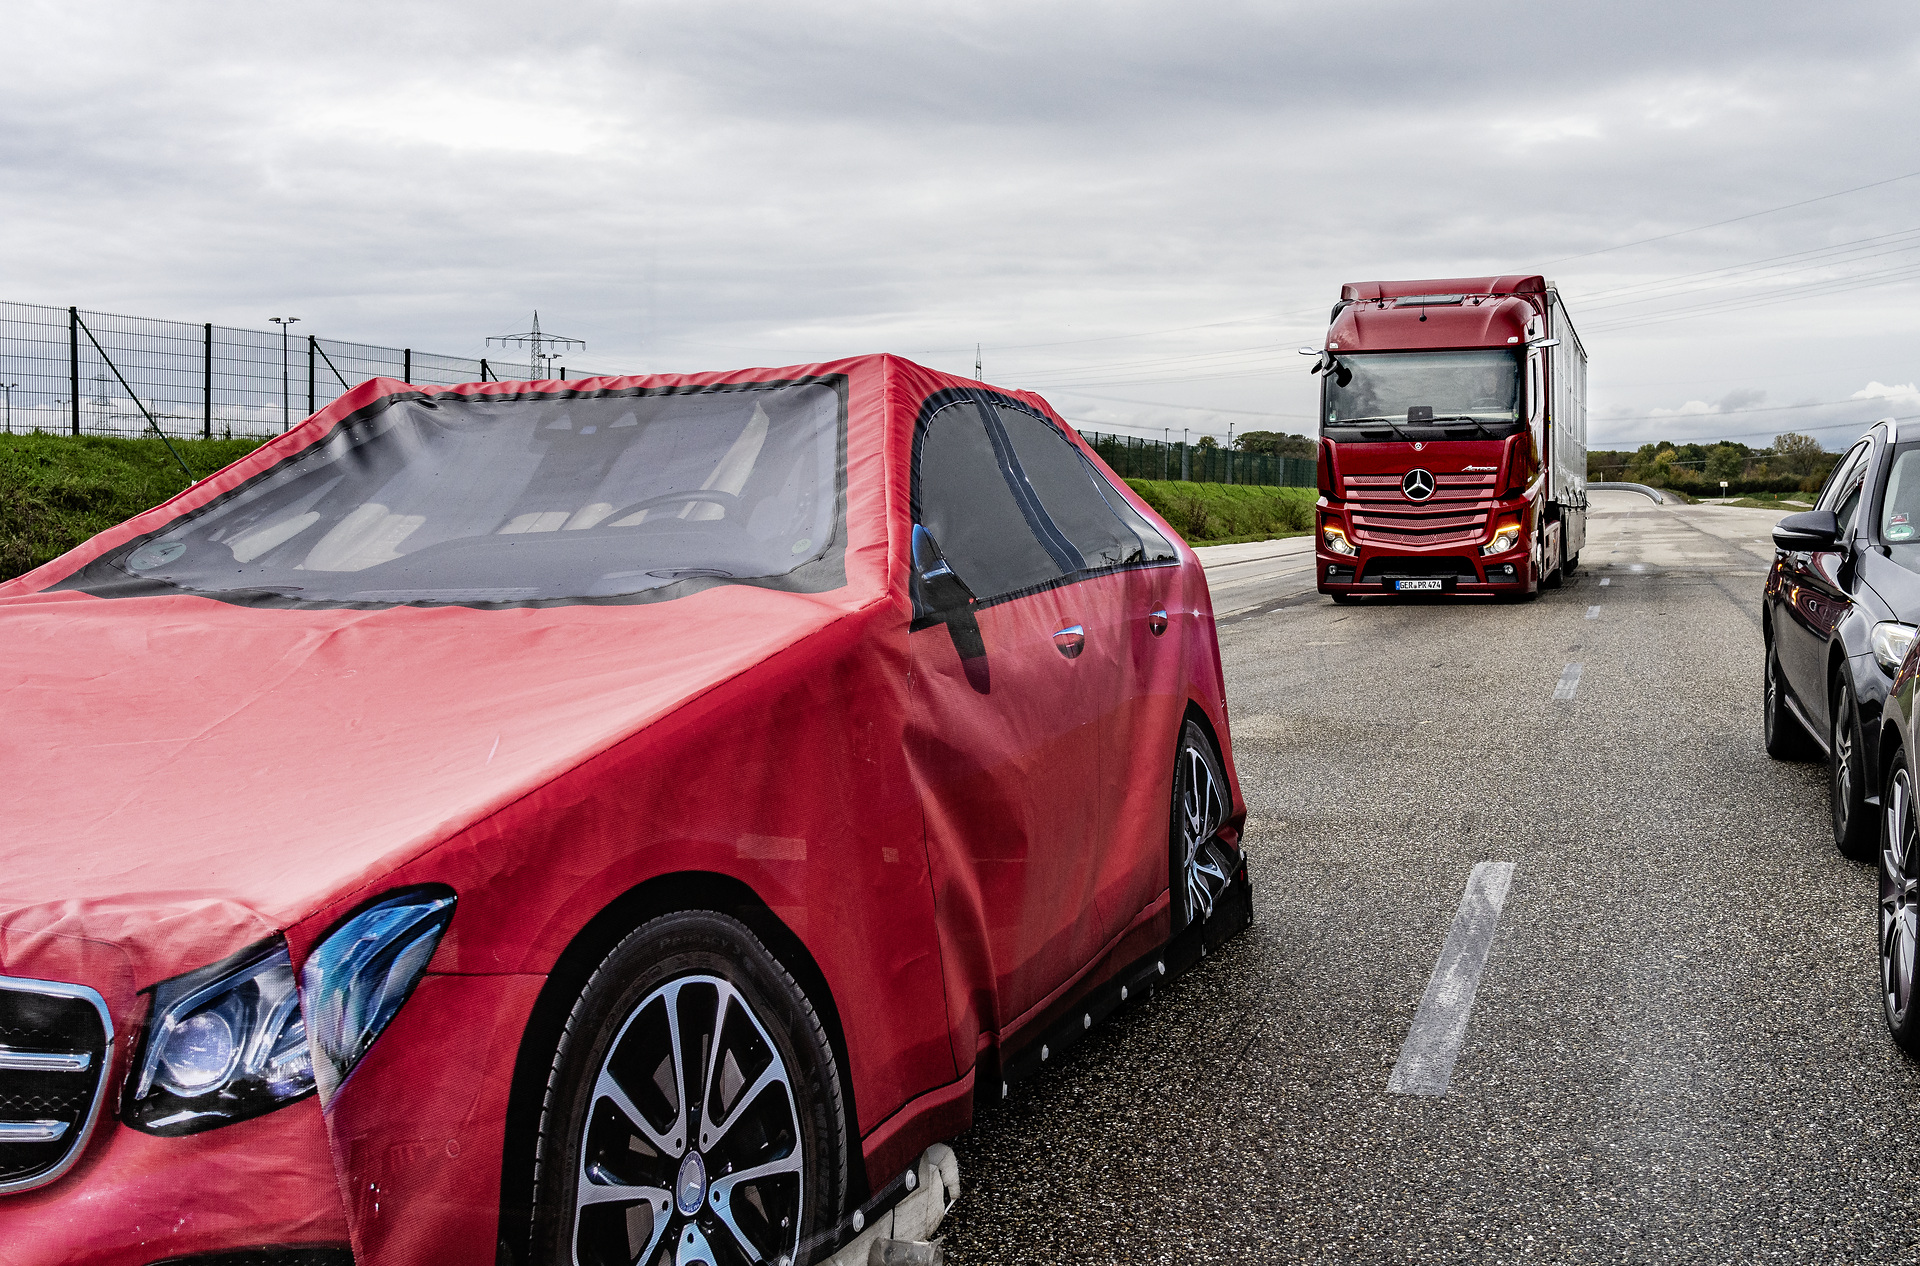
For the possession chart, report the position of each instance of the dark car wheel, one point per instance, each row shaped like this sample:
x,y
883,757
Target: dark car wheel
x,y
693,1109
1899,908
1786,739
1854,832
1200,866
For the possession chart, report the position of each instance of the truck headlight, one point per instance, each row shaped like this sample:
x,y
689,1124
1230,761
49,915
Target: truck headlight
x,y
1891,640
226,1043
1336,539
356,978
1504,538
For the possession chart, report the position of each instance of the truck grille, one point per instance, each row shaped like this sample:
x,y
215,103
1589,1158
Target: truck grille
x,y
55,1042
1456,512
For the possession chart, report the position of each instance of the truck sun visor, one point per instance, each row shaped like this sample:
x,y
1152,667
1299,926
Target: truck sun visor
x,y
473,500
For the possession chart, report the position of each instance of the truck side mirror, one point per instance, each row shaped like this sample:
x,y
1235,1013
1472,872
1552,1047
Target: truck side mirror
x,y
1809,530
945,595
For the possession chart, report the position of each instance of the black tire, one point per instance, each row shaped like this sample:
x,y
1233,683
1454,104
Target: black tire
x,y
1572,565
1786,738
730,997
1558,576
1855,833
1199,867
1899,907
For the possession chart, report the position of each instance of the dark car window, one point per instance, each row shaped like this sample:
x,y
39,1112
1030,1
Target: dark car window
x,y
1843,473
473,499
966,503
1084,506
1900,508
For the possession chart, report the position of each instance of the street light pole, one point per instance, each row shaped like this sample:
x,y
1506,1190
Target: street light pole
x,y
286,407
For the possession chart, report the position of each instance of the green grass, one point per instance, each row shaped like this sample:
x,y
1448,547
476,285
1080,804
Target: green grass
x,y
58,490
1764,501
1225,514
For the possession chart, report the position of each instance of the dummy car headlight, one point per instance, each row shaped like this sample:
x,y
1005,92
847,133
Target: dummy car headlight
x,y
1336,539
226,1043
1890,642
357,977
1503,540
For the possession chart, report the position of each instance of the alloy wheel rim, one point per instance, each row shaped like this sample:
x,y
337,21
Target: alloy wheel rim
x,y
1202,810
691,1148
1842,767
1898,914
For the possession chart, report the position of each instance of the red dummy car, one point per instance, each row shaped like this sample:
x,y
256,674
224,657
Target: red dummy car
x,y
630,820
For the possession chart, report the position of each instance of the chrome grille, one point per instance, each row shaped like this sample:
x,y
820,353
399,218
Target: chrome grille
x,y
55,1040
1457,511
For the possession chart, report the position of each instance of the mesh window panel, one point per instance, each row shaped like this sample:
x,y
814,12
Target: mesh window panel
x,y
965,503
1099,522
466,500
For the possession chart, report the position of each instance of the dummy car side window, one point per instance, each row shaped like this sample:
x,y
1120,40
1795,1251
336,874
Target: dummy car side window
x,y
1087,509
966,503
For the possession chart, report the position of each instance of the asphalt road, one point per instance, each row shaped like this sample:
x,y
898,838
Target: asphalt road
x,y
1675,1053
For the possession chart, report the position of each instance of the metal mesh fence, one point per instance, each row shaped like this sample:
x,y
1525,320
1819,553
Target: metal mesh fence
x,y
1134,458
100,373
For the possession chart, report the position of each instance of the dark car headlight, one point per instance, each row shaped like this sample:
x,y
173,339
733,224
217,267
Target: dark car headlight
x,y
359,974
232,1041
226,1043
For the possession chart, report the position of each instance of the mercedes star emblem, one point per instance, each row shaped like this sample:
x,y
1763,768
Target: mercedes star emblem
x,y
1417,485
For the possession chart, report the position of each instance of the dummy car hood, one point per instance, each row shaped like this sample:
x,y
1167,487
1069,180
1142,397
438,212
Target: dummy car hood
x,y
186,776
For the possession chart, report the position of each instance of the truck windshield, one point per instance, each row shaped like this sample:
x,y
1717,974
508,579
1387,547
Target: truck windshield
x,y
1464,394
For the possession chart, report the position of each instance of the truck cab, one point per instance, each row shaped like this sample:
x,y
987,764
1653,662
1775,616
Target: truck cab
x,y
1452,439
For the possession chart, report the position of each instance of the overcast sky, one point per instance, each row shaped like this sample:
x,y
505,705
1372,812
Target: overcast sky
x,y
1138,210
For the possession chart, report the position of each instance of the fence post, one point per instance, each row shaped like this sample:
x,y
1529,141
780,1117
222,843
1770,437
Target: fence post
x,y
73,363
407,373
1186,464
206,382
311,406
483,369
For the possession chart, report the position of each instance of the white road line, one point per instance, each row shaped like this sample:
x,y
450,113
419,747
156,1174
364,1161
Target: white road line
x,y
1425,1066
1593,613
1606,581
1637,567
1569,682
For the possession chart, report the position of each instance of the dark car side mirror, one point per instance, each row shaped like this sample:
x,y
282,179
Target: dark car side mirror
x,y
946,595
1809,530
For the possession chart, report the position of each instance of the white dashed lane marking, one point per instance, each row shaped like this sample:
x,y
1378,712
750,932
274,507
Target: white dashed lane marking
x,y
1425,1066
1606,581
1569,682
1593,613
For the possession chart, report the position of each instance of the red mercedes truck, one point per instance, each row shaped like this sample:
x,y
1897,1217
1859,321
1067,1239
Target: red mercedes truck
x,y
1453,439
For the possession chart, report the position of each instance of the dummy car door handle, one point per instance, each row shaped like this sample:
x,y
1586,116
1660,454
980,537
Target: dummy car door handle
x,y
1070,641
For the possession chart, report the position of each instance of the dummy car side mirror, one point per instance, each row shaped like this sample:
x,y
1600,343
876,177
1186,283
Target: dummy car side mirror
x,y
945,594
1810,530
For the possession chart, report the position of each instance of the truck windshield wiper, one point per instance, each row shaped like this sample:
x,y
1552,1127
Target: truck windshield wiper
x,y
1388,420
1476,423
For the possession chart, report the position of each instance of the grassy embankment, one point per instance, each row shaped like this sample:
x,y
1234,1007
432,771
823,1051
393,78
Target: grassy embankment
x,y
1222,514
58,490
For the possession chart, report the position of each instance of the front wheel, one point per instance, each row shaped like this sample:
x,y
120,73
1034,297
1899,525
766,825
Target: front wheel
x,y
1899,908
1853,827
1786,739
1200,867
693,1109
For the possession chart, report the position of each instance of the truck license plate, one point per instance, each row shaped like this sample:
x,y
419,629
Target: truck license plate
x,y
1434,583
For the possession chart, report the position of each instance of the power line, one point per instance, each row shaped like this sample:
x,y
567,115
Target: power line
x,y
1751,215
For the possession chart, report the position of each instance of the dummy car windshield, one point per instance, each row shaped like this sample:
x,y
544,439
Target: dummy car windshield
x,y
474,500
1470,391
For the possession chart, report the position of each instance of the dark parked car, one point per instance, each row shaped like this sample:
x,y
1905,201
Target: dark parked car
x,y
1842,600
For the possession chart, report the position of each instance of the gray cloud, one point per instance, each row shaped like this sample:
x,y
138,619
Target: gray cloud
x,y
697,185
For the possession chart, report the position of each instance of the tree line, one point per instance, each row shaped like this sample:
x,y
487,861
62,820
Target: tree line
x,y
1792,463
